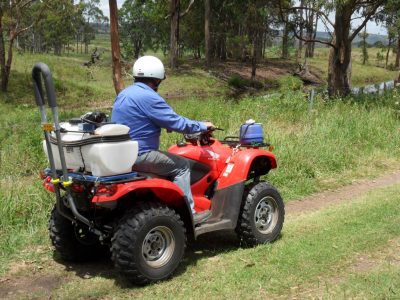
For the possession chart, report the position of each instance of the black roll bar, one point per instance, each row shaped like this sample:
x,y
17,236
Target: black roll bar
x,y
41,70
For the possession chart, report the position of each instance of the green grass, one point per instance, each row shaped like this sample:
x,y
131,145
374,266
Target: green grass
x,y
371,73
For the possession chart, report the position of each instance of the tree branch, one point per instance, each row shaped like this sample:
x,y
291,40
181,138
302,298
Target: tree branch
x,y
25,29
312,40
24,4
367,18
315,10
187,9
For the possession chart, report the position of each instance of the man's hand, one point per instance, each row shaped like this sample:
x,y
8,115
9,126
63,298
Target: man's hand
x,y
209,125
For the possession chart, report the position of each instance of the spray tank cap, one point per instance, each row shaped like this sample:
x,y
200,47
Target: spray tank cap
x,y
250,121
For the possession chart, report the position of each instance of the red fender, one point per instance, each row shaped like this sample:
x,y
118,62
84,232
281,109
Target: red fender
x,y
239,165
166,191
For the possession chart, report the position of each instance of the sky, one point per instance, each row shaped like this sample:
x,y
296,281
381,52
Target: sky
x,y
104,6
371,26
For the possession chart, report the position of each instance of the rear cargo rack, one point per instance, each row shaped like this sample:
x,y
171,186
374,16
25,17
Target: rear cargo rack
x,y
234,141
122,178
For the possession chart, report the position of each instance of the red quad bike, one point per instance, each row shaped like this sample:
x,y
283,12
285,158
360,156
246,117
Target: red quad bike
x,y
143,220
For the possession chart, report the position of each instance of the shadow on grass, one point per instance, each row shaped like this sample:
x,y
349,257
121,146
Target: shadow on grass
x,y
207,245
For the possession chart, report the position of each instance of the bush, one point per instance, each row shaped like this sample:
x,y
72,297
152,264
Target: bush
x,y
238,81
292,83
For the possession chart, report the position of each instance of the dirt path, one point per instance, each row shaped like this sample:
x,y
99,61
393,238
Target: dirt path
x,y
38,279
347,193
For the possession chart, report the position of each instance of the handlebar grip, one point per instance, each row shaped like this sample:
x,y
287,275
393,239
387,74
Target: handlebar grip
x,y
42,68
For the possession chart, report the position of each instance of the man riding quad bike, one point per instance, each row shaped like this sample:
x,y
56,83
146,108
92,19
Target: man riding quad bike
x,y
145,219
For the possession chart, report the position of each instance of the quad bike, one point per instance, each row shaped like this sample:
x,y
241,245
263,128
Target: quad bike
x,y
145,221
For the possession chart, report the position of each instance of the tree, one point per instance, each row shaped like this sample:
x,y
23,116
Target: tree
x,y
207,36
115,48
134,25
364,35
174,34
57,25
13,15
175,16
339,70
390,17
91,13
255,16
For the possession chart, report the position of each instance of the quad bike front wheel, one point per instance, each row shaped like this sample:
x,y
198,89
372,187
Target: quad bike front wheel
x,y
73,243
148,243
261,216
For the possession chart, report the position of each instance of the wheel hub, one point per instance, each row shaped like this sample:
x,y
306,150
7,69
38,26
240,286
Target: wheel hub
x,y
158,246
265,215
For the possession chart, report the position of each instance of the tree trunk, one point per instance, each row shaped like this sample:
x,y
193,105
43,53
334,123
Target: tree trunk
x,y
174,34
3,71
256,51
310,34
115,49
285,39
397,64
339,70
207,37
388,52
364,47
314,37
223,55
300,48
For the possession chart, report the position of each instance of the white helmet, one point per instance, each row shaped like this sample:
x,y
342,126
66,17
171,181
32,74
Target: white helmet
x,y
149,67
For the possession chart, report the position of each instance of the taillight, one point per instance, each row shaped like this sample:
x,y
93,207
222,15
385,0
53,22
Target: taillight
x,y
42,174
78,188
48,185
106,190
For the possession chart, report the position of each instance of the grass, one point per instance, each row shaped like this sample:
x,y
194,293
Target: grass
x,y
371,73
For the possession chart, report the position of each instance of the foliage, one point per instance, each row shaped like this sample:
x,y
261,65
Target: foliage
x,y
364,45
142,27
238,81
57,26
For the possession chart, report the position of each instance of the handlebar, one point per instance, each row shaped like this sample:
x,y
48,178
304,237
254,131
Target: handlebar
x,y
42,68
203,137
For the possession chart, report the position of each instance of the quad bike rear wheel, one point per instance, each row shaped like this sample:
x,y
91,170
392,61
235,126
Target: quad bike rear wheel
x,y
261,216
73,243
149,243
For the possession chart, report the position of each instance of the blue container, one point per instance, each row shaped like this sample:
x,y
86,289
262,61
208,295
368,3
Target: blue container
x,y
251,134
86,127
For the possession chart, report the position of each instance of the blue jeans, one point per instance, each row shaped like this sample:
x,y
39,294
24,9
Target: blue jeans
x,y
167,165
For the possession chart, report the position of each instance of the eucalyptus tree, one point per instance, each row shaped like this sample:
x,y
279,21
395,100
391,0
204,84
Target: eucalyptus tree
x,y
91,14
390,18
364,45
344,30
143,26
207,35
175,15
133,26
115,47
57,25
16,17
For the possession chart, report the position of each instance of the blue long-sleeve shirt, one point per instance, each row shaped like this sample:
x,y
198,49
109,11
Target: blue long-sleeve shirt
x,y
145,112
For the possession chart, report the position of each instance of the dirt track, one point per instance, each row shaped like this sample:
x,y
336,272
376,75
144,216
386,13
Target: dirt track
x,y
31,278
321,200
